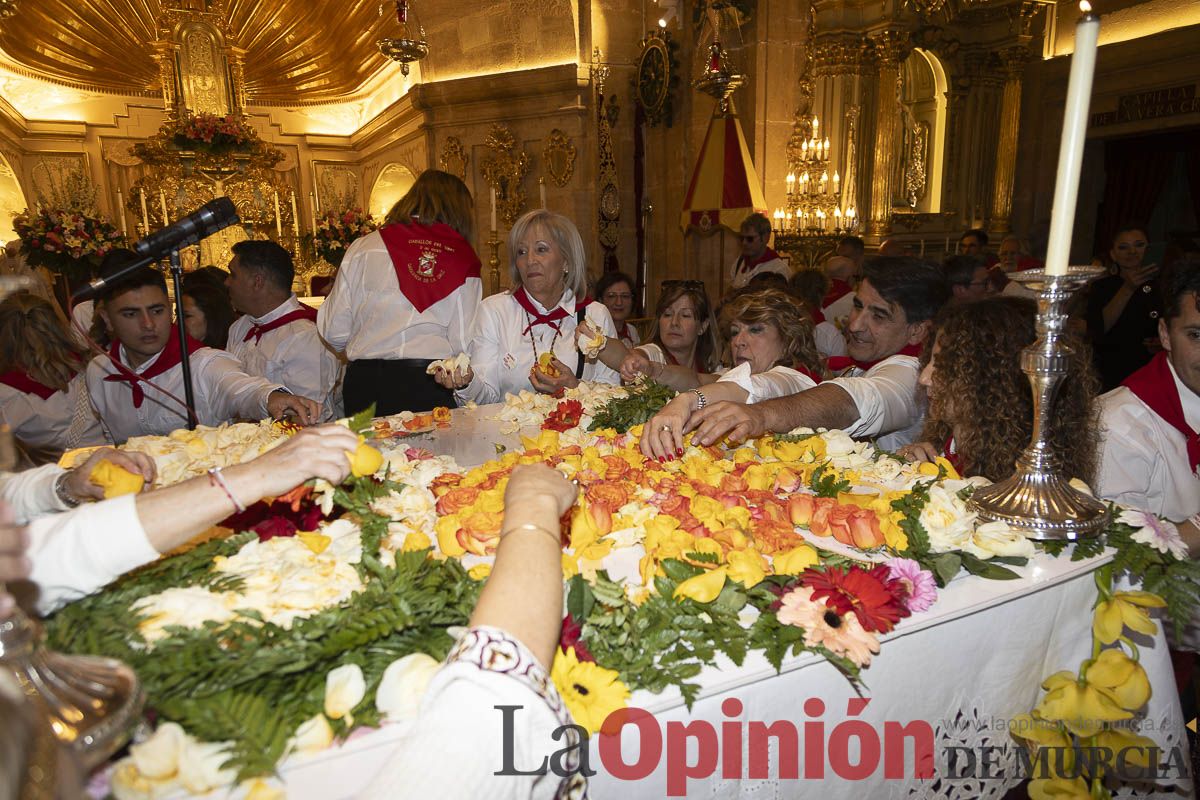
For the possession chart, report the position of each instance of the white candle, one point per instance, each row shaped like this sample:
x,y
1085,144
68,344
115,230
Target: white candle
x,y
145,213
542,190
836,181
312,204
493,228
791,183
278,219
1070,150
162,199
121,206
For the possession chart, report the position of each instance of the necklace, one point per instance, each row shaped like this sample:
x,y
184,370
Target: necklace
x,y
533,339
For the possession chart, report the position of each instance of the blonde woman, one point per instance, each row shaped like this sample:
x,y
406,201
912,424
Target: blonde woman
x,y
525,338
771,346
43,394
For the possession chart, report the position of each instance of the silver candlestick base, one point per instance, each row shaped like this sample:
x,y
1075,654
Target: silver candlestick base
x,y
1037,499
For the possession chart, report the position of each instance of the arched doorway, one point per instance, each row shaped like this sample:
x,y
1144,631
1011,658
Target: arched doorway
x,y
393,182
923,113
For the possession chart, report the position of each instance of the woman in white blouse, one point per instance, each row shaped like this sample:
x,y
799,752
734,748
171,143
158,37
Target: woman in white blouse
x,y
43,394
682,348
771,344
525,338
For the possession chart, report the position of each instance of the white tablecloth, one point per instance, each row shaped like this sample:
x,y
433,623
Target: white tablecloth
x,y
966,667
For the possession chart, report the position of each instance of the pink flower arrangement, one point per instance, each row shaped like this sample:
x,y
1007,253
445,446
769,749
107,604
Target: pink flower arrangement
x,y
217,134
337,230
67,242
921,586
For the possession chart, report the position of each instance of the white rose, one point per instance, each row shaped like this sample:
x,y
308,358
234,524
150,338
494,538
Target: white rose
x,y
403,685
344,689
313,735
158,756
998,539
200,768
837,443
947,520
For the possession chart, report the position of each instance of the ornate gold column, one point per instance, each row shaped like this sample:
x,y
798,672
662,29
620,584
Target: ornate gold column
x,y
891,47
1014,60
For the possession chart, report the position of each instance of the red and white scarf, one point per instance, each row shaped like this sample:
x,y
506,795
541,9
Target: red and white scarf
x,y
303,312
840,363
551,317
430,261
1155,385
167,360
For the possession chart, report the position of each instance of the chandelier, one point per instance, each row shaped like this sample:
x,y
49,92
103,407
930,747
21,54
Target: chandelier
x,y
410,45
813,198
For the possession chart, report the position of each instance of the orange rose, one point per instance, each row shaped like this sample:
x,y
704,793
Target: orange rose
x,y
444,483
866,530
787,481
441,417
617,469
480,533
677,506
801,508
455,500
610,495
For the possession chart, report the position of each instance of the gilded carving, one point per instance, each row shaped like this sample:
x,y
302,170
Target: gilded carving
x,y
559,158
504,171
454,158
917,153
337,186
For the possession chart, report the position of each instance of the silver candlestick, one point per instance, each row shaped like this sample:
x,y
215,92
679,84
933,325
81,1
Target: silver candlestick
x,y
1037,499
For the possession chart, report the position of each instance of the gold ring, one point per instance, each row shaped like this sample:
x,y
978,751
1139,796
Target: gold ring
x,y
665,428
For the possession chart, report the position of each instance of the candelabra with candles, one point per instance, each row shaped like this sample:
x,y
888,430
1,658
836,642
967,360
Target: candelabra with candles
x,y
813,195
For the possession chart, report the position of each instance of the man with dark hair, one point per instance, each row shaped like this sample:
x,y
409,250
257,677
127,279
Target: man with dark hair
x,y
967,277
276,337
853,248
874,395
1150,456
973,242
145,351
756,256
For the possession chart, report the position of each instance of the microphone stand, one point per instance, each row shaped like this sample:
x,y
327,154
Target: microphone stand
x,y
185,358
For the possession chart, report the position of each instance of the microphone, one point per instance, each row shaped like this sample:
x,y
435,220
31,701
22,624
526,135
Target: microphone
x,y
213,216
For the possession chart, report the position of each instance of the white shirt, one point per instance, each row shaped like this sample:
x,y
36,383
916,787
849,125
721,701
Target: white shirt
x,y
1143,460
293,354
223,392
367,316
889,409
77,552
839,310
31,492
502,353
653,352
632,339
739,278
62,421
829,340
775,382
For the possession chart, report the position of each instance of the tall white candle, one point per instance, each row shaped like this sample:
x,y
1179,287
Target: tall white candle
x,y
121,207
162,199
1070,150
295,216
278,219
145,213
312,204
493,228
542,190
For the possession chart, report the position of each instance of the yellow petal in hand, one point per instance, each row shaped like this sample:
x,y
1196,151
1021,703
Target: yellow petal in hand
x,y
115,480
704,587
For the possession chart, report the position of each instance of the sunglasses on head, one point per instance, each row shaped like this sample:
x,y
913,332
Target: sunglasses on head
x,y
675,284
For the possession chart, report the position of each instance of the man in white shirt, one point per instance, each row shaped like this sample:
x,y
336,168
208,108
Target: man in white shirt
x,y
276,337
875,395
1150,455
137,387
756,257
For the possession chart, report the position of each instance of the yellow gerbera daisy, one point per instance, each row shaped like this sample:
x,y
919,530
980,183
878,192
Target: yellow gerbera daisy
x,y
590,691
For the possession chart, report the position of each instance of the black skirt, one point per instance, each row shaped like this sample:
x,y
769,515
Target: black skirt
x,y
393,385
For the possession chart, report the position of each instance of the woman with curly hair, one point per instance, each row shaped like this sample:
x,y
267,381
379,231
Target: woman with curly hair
x,y
980,404
682,348
771,346
43,395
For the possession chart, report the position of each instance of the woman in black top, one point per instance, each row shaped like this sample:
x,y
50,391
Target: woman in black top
x,y
1123,310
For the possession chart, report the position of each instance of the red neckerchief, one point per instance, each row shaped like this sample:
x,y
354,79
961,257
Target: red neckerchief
x,y
550,318
22,382
838,289
167,360
430,261
950,455
626,332
696,365
818,316
746,266
803,370
1155,386
839,363
257,331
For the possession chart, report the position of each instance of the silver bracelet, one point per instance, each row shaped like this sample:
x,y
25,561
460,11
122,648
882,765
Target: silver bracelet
x,y
701,400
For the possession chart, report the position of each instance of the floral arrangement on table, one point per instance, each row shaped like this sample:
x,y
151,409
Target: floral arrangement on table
x,y
70,243
790,543
212,138
336,231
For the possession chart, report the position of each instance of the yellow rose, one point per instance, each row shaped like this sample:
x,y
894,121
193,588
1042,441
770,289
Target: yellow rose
x,y
365,460
479,571
704,587
115,480
447,528
746,567
796,560
416,541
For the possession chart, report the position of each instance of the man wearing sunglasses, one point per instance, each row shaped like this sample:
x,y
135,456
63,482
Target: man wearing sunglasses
x,y
756,257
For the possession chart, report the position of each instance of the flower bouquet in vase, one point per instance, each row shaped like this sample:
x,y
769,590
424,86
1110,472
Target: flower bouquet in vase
x,y
335,232
69,243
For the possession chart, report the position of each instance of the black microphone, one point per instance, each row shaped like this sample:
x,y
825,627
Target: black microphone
x,y
213,216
